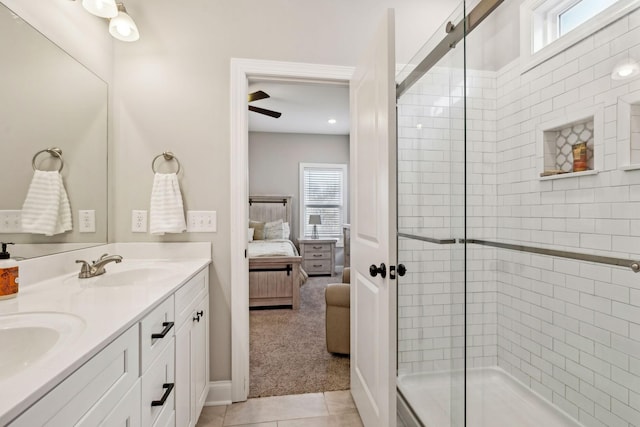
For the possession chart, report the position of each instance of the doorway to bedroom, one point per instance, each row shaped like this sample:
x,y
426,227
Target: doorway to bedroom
x,y
298,157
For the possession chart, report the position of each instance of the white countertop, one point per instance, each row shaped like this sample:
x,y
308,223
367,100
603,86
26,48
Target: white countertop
x,y
107,311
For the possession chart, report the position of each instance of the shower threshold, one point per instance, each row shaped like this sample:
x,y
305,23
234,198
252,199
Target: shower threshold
x,y
495,399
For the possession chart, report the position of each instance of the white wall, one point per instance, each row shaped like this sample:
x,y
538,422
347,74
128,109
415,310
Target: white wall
x,y
274,163
172,93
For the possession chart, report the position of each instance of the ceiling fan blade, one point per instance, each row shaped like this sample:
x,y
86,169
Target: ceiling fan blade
x,y
258,95
264,111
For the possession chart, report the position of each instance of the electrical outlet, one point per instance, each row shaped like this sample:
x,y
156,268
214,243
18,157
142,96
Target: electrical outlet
x,y
139,221
87,221
10,221
201,221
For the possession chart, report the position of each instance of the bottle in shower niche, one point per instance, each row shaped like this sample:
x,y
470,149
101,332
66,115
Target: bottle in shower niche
x,y
9,278
580,157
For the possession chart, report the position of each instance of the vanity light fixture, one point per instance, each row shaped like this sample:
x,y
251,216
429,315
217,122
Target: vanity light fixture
x,y
625,69
122,26
101,8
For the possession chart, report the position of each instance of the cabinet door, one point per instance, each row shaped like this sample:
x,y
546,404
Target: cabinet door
x,y
184,399
127,412
200,355
192,365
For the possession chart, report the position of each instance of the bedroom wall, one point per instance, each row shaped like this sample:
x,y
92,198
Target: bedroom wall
x,y
274,165
173,93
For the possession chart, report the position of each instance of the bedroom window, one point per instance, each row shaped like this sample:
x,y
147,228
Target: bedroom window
x,y
323,188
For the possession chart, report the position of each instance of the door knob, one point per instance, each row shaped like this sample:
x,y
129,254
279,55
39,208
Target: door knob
x,y
382,270
402,270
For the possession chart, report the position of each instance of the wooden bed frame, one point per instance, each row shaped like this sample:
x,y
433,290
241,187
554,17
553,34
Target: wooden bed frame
x,y
273,281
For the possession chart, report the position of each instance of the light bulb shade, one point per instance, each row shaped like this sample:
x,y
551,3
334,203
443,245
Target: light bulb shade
x,y
315,220
123,28
625,70
101,8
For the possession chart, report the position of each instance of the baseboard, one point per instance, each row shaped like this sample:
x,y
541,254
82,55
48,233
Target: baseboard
x,y
219,393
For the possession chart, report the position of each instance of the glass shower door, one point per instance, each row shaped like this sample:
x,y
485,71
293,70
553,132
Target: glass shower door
x,y
431,222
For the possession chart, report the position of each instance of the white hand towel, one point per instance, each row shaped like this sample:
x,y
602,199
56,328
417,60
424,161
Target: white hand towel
x,y
166,214
46,209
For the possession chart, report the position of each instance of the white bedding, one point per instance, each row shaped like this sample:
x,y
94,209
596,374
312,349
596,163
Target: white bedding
x,y
275,247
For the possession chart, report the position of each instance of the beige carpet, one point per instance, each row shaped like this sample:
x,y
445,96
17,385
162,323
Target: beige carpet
x,y
288,353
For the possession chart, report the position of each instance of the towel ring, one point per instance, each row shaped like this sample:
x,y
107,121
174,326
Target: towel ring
x,y
168,156
54,151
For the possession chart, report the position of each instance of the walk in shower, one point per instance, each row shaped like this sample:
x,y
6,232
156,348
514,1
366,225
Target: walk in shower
x,y
519,217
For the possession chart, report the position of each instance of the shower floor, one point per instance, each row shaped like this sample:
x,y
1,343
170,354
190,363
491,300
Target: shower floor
x,y
495,399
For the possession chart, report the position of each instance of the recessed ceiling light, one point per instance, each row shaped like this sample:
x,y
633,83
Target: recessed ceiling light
x,y
332,121
625,70
419,125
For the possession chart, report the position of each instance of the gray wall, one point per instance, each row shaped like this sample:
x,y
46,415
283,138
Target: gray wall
x,y
173,93
170,91
274,162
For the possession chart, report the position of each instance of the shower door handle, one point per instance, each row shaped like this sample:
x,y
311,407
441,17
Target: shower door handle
x,y
382,270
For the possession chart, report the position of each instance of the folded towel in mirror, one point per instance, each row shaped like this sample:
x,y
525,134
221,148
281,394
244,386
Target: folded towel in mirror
x,y
46,209
166,213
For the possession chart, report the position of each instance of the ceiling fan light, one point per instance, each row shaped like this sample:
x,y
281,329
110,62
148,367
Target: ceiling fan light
x,y
101,8
123,28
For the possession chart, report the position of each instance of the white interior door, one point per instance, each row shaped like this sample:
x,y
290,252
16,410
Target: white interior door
x,y
373,230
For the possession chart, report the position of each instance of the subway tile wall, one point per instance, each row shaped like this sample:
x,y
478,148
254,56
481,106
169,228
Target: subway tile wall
x,y
567,329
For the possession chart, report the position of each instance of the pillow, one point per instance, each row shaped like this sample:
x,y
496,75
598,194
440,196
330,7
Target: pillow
x,y
273,230
286,231
250,234
258,229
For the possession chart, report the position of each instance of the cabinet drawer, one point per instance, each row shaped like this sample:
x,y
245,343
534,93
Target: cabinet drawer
x,y
317,255
156,330
158,385
319,266
188,296
92,391
317,247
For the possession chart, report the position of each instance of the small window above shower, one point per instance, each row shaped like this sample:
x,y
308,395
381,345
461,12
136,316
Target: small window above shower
x,y
548,27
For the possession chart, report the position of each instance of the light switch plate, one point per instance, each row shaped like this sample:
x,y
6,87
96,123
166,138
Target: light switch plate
x,y
139,221
87,221
10,221
201,221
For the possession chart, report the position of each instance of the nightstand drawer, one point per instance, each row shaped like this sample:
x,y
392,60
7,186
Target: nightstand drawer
x,y
318,247
317,255
320,266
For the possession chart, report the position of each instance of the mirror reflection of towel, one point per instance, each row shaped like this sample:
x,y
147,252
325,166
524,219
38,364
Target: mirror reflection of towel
x,y
46,209
166,213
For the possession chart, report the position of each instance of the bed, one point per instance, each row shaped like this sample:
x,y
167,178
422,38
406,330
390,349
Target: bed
x,y
275,272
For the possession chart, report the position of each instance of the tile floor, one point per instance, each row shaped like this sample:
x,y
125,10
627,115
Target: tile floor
x,y
328,409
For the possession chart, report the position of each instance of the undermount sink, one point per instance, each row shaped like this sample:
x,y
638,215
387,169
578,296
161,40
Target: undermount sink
x,y
31,337
127,274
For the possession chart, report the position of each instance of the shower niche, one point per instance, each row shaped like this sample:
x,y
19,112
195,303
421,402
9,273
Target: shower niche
x,y
629,131
570,145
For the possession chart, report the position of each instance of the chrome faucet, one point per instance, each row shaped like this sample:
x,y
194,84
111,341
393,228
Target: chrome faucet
x,y
97,267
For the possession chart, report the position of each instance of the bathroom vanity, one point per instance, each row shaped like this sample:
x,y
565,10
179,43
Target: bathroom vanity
x,y
129,347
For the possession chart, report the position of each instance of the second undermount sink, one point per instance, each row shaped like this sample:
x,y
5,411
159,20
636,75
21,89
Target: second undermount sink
x,y
127,274
28,338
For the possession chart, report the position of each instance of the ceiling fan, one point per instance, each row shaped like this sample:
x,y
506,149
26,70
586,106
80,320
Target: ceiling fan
x,y
255,96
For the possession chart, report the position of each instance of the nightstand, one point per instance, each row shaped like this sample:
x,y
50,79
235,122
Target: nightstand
x,y
318,256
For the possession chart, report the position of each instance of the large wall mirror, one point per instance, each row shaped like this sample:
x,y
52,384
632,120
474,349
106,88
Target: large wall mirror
x,y
48,99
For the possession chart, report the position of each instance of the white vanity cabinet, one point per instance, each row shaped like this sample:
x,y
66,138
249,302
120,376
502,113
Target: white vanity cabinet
x,y
192,349
153,375
88,395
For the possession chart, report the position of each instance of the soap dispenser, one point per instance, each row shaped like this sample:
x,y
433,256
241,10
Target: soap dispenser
x,y
8,274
